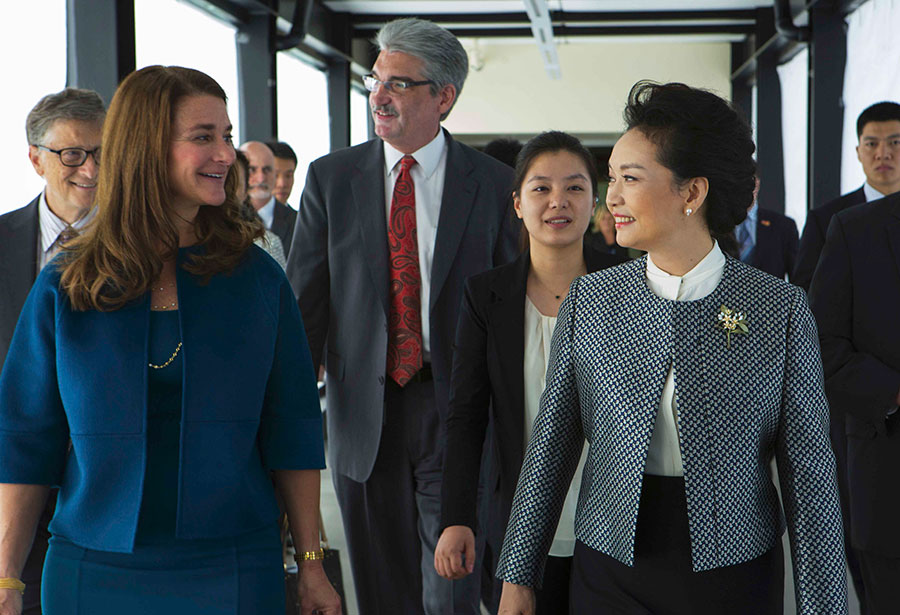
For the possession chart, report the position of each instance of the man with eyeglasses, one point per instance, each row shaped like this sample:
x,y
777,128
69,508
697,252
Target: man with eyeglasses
x,y
386,234
63,132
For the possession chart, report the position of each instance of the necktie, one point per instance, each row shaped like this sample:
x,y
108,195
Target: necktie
x,y
65,236
745,240
405,319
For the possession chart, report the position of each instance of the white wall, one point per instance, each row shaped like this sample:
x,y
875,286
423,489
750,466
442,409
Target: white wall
x,y
512,93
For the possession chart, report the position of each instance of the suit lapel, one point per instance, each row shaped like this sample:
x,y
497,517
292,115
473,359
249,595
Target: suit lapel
x,y
892,228
456,205
20,264
763,246
507,320
367,187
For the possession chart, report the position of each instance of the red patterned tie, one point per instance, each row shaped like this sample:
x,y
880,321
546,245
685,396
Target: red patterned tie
x,y
405,319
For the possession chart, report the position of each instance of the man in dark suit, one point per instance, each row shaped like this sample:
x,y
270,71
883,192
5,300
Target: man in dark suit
x,y
768,241
878,130
277,217
386,235
854,288
63,132
285,167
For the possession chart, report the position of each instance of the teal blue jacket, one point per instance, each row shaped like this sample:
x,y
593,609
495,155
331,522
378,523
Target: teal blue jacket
x,y
250,405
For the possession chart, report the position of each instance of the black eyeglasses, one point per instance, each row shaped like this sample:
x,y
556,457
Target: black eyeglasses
x,y
74,156
372,83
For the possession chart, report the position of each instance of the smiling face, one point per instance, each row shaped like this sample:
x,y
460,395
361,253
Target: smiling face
x,y
410,119
70,190
200,154
644,198
879,153
555,200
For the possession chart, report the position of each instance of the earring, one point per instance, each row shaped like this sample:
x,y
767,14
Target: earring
x,y
688,211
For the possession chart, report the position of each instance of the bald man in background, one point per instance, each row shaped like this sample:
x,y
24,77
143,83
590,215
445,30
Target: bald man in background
x,y
278,217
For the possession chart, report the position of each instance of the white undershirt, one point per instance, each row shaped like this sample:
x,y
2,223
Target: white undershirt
x,y
267,213
872,194
428,179
538,334
664,453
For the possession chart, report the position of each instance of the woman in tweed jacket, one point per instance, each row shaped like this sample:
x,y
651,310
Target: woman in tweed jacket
x,y
687,371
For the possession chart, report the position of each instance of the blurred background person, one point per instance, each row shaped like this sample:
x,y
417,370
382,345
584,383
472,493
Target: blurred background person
x,y
270,243
768,240
276,216
285,168
687,371
504,150
138,384
63,131
500,357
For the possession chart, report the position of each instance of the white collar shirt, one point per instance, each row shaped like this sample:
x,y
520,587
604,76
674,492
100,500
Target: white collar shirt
x,y
871,193
267,213
428,178
50,226
664,452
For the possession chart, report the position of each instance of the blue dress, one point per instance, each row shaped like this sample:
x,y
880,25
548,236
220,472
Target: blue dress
x,y
241,575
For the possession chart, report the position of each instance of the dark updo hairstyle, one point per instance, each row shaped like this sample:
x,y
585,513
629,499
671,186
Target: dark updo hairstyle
x,y
698,134
549,143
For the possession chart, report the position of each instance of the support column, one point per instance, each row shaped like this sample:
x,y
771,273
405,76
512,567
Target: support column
x,y
100,44
770,156
741,92
827,57
338,77
256,78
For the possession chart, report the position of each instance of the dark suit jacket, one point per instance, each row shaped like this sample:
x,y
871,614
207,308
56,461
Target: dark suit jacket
x,y
854,295
339,271
813,239
776,243
283,219
488,382
18,267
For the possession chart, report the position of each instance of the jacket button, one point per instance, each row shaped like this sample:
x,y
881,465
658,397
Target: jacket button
x,y
381,380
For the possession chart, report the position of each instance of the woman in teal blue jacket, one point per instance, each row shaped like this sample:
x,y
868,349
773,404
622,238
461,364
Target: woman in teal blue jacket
x,y
158,374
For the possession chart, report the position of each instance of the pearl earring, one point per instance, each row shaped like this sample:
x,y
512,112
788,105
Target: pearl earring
x,y
688,211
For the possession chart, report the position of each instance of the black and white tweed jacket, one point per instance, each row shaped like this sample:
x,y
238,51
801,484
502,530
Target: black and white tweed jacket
x,y
737,407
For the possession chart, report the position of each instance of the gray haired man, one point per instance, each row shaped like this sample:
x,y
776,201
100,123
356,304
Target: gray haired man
x,y
63,132
386,235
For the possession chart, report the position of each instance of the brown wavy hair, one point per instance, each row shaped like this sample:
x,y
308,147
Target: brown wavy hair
x,y
123,250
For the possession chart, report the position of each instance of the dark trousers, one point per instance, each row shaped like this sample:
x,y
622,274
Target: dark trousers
x,y
553,596
881,576
34,565
838,435
392,520
662,580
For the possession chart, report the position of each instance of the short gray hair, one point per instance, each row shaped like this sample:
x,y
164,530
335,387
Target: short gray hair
x,y
446,62
69,104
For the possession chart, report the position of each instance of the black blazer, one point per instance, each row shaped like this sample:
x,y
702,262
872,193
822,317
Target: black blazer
x,y
854,296
283,218
487,382
18,267
813,238
776,243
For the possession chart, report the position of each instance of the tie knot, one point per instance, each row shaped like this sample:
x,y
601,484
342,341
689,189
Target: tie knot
x,y
67,235
406,162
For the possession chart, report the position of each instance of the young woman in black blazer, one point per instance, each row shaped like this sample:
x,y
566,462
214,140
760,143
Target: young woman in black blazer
x,y
504,312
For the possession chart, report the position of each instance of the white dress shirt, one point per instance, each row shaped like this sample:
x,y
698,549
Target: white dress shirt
x,y
267,213
50,226
871,193
538,334
428,178
664,453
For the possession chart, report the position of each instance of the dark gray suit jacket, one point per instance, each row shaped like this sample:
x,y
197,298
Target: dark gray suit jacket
x,y
18,267
283,219
339,271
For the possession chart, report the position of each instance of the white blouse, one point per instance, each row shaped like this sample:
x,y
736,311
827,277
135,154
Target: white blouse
x,y
538,333
664,454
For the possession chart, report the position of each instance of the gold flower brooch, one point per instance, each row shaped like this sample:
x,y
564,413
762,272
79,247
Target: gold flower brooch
x,y
731,322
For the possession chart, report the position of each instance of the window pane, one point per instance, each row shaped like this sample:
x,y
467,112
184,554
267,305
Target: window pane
x,y
172,33
302,114
794,79
37,29
359,117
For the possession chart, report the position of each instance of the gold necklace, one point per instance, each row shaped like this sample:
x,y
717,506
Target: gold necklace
x,y
172,358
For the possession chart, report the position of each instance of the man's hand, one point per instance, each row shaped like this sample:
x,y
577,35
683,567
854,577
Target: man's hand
x,y
454,556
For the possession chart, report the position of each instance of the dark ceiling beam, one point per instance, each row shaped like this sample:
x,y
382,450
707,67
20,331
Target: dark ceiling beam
x,y
374,21
573,31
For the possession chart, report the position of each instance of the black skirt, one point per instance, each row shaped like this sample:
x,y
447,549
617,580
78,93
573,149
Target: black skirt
x,y
662,580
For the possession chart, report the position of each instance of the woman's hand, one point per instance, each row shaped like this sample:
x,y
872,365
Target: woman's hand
x,y
317,596
10,602
516,600
454,556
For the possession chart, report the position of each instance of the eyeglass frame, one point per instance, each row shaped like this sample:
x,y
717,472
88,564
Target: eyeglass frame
x,y
59,152
397,86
